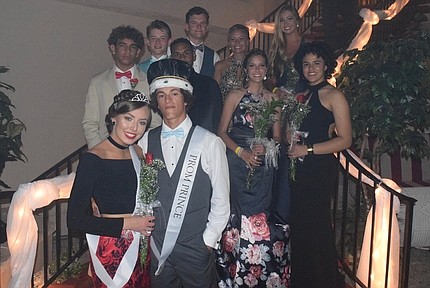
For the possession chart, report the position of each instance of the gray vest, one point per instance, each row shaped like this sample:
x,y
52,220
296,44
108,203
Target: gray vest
x,y
199,204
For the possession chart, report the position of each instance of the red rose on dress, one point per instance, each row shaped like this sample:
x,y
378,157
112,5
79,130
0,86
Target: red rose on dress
x,y
133,82
256,271
259,228
301,98
149,157
232,270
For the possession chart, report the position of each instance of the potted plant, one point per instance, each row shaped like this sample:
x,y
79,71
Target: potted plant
x,y
10,130
388,87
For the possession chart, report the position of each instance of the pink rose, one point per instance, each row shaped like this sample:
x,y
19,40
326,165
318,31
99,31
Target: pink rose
x,y
250,280
273,280
253,253
230,239
259,228
255,270
278,248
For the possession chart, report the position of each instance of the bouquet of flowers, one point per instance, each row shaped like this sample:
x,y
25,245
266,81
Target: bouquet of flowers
x,y
294,111
263,114
148,191
291,80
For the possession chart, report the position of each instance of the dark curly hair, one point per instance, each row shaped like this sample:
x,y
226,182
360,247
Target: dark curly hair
x,y
122,104
189,98
126,32
178,41
320,49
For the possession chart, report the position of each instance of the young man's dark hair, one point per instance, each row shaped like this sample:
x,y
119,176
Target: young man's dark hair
x,y
196,11
126,32
160,25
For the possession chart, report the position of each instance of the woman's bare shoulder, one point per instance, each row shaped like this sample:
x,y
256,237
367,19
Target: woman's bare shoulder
x,y
222,64
100,150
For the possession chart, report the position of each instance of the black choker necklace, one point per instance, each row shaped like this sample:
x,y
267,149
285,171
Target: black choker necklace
x,y
114,143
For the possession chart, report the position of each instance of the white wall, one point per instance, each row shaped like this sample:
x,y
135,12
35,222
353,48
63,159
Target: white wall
x,y
52,48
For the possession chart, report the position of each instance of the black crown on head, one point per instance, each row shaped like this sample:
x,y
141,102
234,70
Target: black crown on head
x,y
168,67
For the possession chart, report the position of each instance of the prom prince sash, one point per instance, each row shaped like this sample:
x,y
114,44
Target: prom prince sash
x,y
181,199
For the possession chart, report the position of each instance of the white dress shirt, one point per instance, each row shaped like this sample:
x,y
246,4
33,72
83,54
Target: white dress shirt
x,y
123,82
197,64
214,163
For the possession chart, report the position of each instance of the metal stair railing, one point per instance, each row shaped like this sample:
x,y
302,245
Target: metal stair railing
x,y
76,244
351,207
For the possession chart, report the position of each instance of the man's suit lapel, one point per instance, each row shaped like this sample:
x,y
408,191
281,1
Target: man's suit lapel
x,y
111,80
142,85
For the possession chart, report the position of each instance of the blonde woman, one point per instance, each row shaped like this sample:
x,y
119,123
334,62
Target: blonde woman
x,y
286,42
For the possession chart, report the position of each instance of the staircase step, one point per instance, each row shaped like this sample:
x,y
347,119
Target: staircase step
x,y
422,2
317,29
424,9
313,37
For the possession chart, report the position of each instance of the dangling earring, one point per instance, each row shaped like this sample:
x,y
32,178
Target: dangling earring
x,y
298,25
247,79
265,77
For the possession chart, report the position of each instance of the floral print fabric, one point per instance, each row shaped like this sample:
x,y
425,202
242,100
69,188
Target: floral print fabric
x,y
110,251
255,249
254,254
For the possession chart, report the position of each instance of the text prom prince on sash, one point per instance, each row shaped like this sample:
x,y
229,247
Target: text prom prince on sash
x,y
194,187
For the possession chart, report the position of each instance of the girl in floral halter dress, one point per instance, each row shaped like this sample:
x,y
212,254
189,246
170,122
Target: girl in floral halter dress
x,y
255,249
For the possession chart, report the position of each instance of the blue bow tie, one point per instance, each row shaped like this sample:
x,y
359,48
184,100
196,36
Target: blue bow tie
x,y
178,133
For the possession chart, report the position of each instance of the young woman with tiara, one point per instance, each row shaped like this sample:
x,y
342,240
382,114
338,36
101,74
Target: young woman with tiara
x,y
109,174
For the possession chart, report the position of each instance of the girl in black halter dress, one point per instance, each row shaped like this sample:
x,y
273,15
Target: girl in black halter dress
x,y
314,259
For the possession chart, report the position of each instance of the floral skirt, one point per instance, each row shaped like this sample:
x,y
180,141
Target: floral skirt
x,y
254,253
110,251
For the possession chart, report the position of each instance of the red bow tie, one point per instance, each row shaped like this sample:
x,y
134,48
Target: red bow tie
x,y
120,74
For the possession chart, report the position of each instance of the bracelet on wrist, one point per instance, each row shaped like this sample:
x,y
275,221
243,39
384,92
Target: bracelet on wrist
x,y
274,90
238,150
310,149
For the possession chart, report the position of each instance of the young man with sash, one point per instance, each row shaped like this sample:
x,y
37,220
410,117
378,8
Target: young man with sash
x,y
194,187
